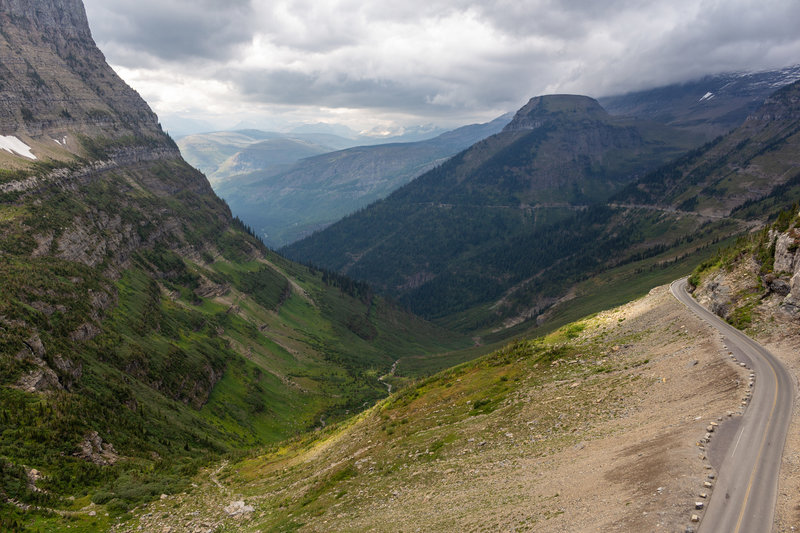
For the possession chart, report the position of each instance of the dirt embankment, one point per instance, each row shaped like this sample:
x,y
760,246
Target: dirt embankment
x,y
617,449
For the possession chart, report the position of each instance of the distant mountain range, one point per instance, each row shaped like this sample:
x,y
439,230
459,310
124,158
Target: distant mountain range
x,y
283,207
500,232
274,182
286,187
218,156
210,152
712,105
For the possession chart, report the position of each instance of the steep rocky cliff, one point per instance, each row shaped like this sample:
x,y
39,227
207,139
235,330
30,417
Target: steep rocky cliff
x,y
70,126
760,275
56,83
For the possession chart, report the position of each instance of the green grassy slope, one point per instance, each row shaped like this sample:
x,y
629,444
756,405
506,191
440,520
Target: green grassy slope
x,y
175,346
473,446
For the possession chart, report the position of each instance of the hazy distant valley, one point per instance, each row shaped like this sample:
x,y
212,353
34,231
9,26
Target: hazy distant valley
x,y
454,328
287,187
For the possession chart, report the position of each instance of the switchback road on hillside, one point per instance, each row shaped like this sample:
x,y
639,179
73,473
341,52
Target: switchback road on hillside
x,y
743,499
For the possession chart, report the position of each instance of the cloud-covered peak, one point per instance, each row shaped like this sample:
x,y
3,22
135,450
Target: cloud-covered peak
x,y
375,64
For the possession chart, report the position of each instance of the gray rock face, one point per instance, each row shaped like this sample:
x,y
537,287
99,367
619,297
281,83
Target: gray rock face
x,y
787,270
57,81
786,253
67,16
719,296
540,109
792,301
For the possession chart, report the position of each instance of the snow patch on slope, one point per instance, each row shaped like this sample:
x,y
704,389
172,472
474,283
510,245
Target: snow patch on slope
x,y
11,144
707,96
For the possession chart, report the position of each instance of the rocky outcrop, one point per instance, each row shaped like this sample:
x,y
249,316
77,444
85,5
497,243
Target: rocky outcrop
x,y
787,255
39,380
786,268
541,109
238,508
49,373
94,450
724,290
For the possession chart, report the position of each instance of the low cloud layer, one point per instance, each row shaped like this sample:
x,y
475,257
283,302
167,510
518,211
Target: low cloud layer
x,y
385,64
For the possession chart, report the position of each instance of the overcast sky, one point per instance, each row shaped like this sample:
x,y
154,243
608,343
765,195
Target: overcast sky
x,y
379,65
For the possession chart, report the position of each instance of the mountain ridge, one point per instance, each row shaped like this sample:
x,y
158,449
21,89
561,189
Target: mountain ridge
x,y
712,105
533,114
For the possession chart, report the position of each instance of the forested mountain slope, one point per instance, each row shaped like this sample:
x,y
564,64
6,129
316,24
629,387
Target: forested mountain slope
x,y
744,173
502,231
501,213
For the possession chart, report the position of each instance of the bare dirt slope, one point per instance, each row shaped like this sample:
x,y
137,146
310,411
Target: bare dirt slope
x,y
603,436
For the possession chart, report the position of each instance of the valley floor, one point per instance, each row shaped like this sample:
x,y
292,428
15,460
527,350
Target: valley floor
x,y
606,438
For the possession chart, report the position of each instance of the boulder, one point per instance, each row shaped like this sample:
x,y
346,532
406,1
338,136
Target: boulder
x,y
777,285
785,253
94,450
239,508
42,379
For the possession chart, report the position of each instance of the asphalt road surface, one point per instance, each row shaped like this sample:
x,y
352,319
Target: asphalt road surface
x,y
743,498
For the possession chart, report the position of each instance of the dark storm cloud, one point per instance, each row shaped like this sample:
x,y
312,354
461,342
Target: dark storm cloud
x,y
296,88
433,57
144,32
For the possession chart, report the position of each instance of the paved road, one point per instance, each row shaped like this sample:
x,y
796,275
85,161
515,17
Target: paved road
x,y
743,500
